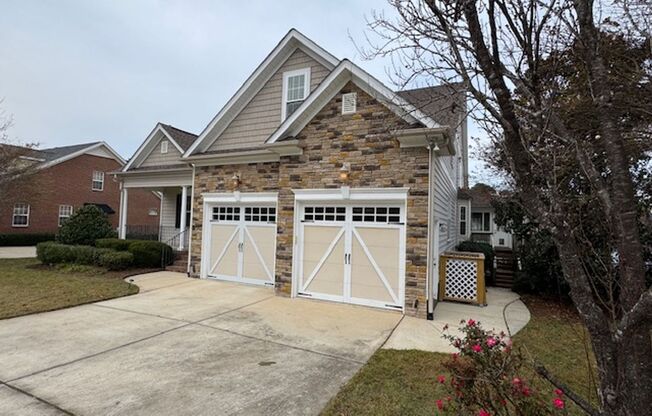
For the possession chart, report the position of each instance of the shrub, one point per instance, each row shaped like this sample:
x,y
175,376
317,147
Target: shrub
x,y
487,250
150,253
113,243
115,260
85,226
24,239
486,378
53,253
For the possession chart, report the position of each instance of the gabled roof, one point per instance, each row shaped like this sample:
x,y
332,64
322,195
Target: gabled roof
x,y
54,155
290,42
444,103
181,140
347,71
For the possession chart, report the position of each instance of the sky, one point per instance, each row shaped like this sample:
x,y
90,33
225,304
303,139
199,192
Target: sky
x,y
81,71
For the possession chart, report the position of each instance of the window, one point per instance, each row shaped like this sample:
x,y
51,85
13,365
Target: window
x,y
98,181
65,211
153,212
481,222
260,214
21,215
377,214
296,86
463,220
324,214
164,146
226,213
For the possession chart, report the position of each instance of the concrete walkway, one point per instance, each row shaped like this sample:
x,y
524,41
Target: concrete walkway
x,y
17,252
185,346
424,335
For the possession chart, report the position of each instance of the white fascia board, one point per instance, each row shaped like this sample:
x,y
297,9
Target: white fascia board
x,y
332,85
292,40
142,147
157,179
239,197
169,137
78,153
146,147
353,194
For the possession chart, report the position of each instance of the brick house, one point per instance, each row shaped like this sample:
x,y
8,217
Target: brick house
x,y
65,179
316,180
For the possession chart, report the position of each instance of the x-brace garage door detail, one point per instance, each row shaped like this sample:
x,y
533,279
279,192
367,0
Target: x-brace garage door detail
x,y
243,244
353,253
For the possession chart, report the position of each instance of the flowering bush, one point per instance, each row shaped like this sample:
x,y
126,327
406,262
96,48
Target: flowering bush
x,y
486,378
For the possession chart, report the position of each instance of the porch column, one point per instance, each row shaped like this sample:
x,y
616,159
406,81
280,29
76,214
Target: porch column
x,y
183,225
123,213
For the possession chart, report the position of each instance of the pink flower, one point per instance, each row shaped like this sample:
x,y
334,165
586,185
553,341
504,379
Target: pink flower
x,y
558,403
516,381
526,392
483,412
559,392
477,348
440,404
441,379
471,322
491,342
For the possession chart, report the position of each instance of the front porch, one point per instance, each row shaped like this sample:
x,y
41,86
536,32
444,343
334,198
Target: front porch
x,y
174,187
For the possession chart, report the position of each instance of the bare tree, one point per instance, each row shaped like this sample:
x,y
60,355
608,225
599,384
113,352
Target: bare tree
x,y
17,163
562,87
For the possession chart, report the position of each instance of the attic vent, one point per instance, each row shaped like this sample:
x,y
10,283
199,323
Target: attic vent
x,y
164,146
349,102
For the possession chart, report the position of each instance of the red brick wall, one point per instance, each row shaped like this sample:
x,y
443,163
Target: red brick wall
x,y
69,183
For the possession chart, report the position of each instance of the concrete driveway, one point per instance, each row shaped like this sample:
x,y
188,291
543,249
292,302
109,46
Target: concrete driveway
x,y
17,252
185,346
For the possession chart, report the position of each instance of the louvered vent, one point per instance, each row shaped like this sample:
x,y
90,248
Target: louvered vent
x,y
349,103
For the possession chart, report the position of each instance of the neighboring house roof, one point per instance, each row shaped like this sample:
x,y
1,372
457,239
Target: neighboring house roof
x,y
180,139
444,103
54,155
480,195
290,42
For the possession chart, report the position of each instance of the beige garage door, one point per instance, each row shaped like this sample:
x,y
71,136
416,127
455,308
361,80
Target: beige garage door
x,y
243,244
353,253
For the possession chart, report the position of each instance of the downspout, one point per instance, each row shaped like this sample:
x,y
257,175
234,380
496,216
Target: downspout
x,y
429,272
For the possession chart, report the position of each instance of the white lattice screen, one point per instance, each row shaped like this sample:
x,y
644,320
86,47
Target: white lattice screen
x,y
462,277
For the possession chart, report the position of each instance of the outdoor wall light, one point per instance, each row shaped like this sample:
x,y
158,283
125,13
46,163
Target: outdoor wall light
x,y
235,181
344,171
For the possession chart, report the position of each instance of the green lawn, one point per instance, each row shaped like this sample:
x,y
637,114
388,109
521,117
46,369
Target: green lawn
x,y
27,287
404,382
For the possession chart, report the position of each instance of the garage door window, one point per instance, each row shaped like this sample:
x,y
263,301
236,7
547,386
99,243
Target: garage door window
x,y
386,215
317,213
260,214
226,214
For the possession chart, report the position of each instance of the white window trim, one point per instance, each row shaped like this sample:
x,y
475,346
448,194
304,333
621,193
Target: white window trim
x,y
93,180
13,215
164,146
483,224
64,216
466,219
306,88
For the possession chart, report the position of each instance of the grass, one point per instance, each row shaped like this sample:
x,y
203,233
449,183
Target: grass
x,y
397,382
27,286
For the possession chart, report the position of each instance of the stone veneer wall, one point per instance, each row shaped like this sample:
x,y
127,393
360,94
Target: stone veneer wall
x,y
255,177
363,140
330,139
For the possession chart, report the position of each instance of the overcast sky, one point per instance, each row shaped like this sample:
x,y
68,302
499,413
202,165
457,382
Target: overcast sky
x,y
76,71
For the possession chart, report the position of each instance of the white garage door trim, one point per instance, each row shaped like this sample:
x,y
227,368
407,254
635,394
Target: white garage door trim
x,y
348,231
240,229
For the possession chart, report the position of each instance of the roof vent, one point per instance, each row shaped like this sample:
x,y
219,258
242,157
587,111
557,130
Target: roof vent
x,y
349,103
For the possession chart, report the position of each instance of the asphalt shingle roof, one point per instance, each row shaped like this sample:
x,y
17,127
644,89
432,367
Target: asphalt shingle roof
x,y
444,103
182,137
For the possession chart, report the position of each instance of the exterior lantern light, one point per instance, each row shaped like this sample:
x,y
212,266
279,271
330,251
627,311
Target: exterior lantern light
x,y
235,181
344,171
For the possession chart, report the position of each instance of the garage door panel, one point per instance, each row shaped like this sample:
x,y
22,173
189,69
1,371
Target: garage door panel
x,y
325,274
224,250
384,247
258,253
367,279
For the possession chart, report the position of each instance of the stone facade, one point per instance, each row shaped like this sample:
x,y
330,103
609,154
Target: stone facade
x,y
363,140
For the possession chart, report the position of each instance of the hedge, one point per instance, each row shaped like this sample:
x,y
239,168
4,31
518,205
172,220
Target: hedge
x,y
24,239
487,250
146,253
54,253
84,226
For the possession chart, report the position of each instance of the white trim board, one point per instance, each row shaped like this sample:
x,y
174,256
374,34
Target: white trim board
x,y
290,42
239,197
83,151
353,194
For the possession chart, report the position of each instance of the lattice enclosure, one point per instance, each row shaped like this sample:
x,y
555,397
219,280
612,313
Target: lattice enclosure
x,y
462,277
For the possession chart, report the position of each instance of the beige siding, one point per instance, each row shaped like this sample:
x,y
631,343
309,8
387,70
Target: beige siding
x,y
156,158
262,115
445,202
168,213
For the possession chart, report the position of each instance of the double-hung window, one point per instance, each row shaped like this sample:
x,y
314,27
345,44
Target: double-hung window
x,y
296,87
20,215
463,220
98,181
481,222
65,211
